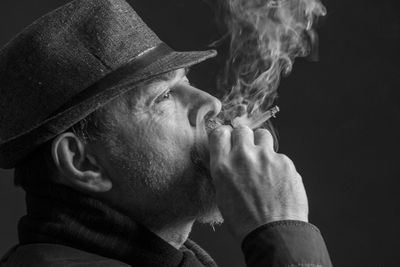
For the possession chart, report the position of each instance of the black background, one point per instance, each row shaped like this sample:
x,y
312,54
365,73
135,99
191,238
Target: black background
x,y
339,122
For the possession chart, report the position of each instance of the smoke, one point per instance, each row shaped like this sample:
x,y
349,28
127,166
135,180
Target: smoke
x,y
265,37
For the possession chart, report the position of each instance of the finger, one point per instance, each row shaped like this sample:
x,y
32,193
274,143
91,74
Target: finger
x,y
220,142
242,135
263,137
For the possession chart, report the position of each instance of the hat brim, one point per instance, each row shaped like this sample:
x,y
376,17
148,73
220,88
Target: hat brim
x,y
13,150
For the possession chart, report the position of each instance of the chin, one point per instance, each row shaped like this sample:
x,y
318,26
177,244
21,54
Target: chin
x,y
213,217
206,205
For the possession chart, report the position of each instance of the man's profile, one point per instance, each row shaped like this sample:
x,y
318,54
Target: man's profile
x,y
100,122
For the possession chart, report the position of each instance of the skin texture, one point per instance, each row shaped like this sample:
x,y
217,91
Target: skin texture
x,y
147,164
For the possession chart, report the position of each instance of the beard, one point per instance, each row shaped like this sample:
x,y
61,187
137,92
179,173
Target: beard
x,y
210,213
164,188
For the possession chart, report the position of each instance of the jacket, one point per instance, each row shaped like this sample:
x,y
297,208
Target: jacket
x,y
64,228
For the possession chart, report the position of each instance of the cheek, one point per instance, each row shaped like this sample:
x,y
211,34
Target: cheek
x,y
164,110
169,126
165,132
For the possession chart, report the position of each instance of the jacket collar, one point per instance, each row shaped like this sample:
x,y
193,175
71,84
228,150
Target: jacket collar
x,y
58,214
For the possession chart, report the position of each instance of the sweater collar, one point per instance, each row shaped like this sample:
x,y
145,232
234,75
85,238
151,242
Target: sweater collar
x,y
58,214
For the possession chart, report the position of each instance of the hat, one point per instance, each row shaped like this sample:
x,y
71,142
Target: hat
x,y
69,63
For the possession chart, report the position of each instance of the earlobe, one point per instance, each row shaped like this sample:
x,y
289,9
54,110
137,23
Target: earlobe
x,y
76,167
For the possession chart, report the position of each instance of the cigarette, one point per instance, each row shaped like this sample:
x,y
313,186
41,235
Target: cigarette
x,y
260,119
272,112
256,120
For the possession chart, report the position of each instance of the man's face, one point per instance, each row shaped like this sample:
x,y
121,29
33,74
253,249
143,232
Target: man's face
x,y
152,153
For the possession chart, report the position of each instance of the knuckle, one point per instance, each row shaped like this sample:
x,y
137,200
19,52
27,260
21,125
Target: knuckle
x,y
283,158
263,131
242,129
266,134
285,162
269,136
299,178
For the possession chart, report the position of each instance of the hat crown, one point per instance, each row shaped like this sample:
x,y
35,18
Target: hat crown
x,y
63,53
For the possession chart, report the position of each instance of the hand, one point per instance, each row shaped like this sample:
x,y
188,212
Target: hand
x,y
254,184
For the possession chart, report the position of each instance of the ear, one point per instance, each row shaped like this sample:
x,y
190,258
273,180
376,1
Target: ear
x,y
77,168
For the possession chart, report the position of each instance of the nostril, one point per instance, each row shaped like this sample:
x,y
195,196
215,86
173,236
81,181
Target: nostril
x,y
211,114
214,110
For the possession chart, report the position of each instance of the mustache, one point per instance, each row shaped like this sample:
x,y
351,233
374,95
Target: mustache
x,y
211,124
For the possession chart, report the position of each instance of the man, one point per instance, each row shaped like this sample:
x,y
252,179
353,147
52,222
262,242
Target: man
x,y
102,126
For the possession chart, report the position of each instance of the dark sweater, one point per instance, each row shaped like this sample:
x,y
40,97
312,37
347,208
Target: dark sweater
x,y
66,228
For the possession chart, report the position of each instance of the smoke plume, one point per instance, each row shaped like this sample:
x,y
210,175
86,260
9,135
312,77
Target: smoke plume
x,y
265,37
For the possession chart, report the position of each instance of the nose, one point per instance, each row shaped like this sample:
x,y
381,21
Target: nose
x,y
201,105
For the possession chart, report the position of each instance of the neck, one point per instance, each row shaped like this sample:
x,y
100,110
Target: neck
x,y
175,234
168,224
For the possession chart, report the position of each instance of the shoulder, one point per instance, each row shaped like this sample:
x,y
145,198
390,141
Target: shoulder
x,y
52,255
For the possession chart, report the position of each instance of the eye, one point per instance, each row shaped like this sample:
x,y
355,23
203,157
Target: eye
x,y
164,96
